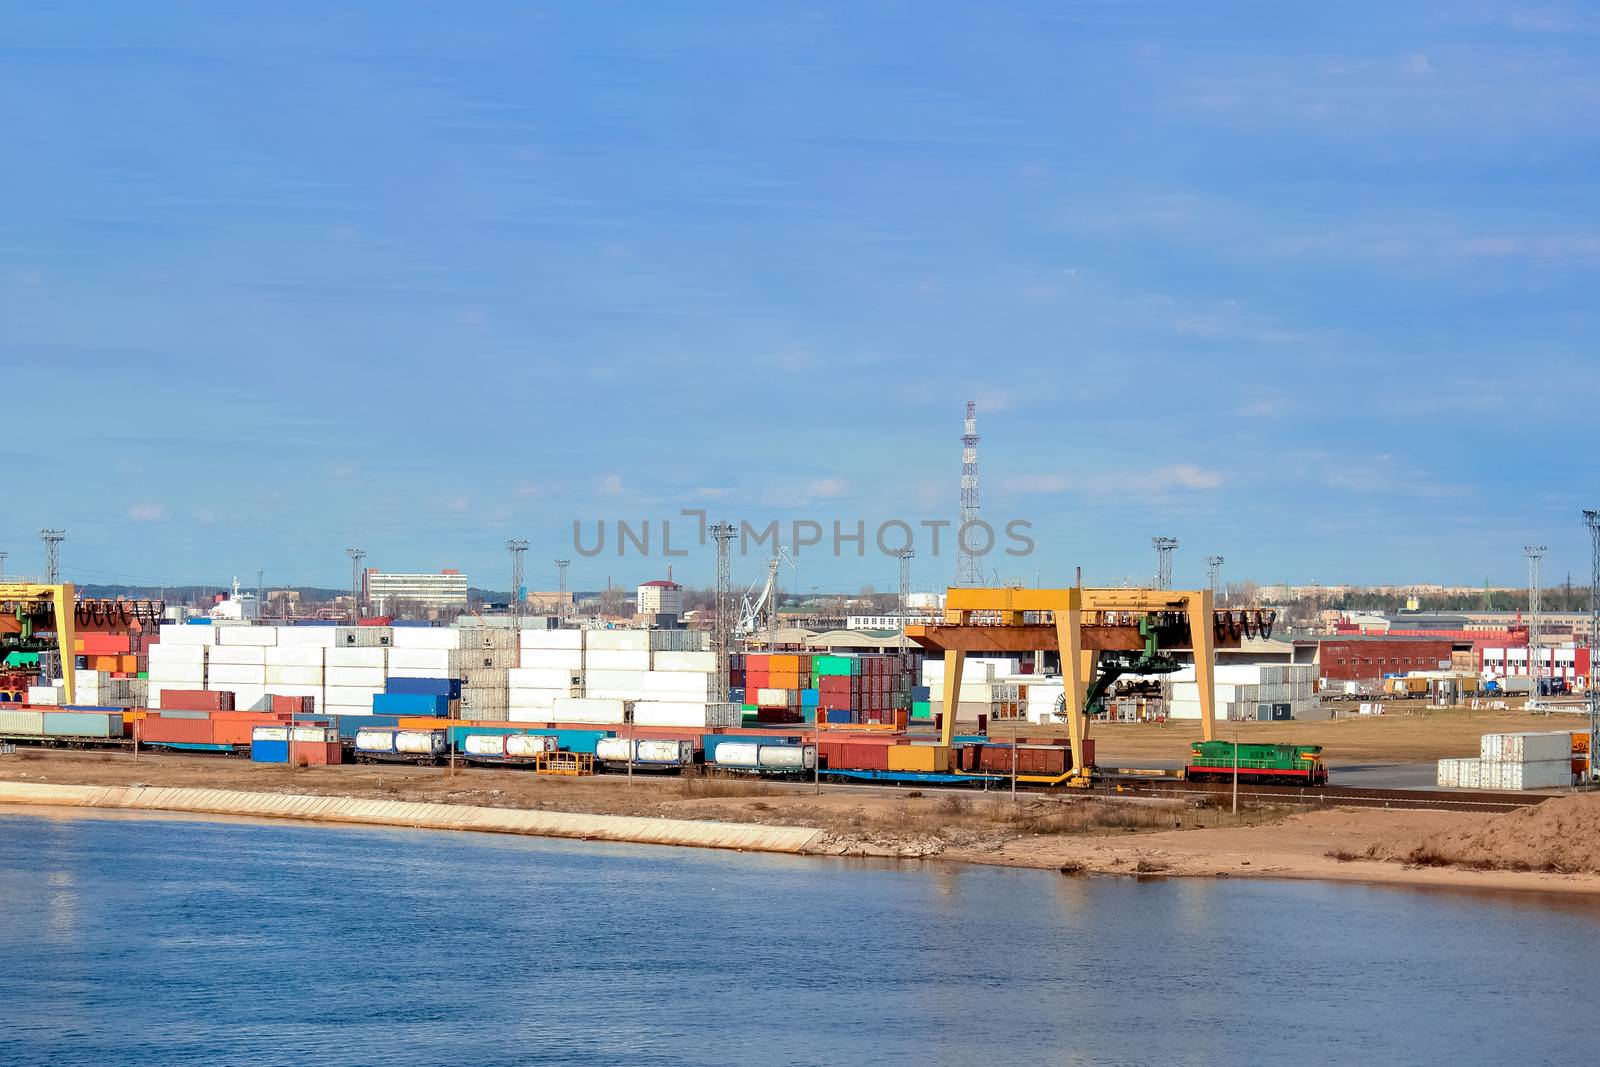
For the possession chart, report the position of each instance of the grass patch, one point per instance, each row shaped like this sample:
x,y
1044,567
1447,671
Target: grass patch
x,y
718,788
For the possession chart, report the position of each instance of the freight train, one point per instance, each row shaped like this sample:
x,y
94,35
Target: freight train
x,y
1219,761
850,757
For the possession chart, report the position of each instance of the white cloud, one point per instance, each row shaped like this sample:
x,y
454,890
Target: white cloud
x,y
1417,64
147,512
826,488
611,485
527,489
1178,476
457,504
712,492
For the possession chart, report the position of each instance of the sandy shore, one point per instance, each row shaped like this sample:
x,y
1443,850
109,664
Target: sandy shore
x,y
1072,833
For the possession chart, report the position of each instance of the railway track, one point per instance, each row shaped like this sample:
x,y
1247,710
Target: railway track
x,y
1337,796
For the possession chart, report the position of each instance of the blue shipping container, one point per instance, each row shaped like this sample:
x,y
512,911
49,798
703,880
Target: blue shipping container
x,y
349,724
410,704
445,687
269,751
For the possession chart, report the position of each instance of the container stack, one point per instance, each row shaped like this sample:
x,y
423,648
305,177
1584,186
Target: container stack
x,y
772,684
178,661
1249,692
296,663
488,654
352,675
1532,760
551,668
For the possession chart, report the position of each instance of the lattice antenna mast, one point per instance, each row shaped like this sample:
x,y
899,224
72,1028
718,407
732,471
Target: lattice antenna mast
x,y
1164,547
518,550
1213,572
561,587
52,554
967,572
722,635
1591,519
1535,554
905,591
357,555
2,564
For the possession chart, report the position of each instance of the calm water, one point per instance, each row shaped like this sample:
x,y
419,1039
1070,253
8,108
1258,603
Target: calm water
x,y
133,941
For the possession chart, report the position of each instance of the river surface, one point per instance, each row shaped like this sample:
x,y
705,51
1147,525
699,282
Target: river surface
x,y
157,942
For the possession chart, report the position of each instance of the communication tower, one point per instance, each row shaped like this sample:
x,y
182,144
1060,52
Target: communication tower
x,y
52,554
1164,547
967,572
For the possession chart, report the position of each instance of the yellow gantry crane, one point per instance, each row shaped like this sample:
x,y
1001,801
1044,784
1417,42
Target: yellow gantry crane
x,y
1100,634
38,607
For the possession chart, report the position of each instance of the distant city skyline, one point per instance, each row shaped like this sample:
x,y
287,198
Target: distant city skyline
x,y
1312,289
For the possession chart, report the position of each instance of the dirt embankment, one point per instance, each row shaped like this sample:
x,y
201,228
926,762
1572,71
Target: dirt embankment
x,y
1560,836
1069,832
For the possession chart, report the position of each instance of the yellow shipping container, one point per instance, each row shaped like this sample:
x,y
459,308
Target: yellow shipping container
x,y
921,759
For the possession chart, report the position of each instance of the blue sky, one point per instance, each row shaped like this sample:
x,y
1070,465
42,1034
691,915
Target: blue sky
x,y
1312,288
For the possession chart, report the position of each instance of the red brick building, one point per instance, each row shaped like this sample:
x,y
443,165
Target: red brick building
x,y
1368,659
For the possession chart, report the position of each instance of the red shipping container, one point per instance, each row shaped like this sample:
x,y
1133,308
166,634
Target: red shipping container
x,y
154,728
316,753
282,705
197,699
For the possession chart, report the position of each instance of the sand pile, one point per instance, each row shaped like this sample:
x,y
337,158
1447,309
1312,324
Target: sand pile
x,y
1560,835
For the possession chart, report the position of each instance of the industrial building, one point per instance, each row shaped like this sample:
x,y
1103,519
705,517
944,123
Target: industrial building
x,y
388,593
660,597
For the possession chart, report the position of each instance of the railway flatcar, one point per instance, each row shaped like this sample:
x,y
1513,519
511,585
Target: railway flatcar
x,y
383,745
1216,761
649,754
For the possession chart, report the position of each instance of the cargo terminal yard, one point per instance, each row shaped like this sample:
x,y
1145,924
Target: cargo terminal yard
x,y
955,745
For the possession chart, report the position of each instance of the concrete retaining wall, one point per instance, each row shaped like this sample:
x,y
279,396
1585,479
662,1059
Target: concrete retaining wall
x,y
704,834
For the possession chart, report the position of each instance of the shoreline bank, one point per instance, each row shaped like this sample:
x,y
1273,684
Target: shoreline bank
x,y
1299,847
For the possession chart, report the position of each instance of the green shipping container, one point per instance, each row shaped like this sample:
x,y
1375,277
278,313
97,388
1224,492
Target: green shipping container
x,y
922,709
834,666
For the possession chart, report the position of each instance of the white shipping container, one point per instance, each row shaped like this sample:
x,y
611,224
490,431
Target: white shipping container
x,y
44,694
617,641
411,662
701,662
1530,747
306,636
541,699
686,713
432,638
187,634
543,678
776,698
350,696
1544,774
604,659
179,678
248,655
229,675
164,653
567,659
355,657
546,640
589,709
309,676
692,685
294,656
247,635
616,684
367,677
